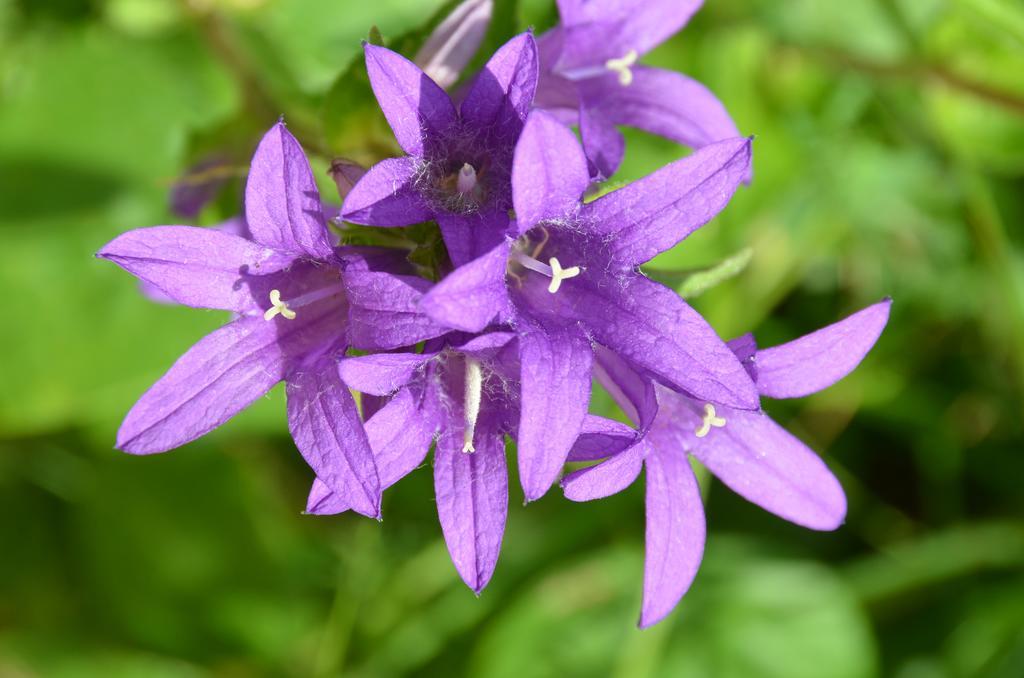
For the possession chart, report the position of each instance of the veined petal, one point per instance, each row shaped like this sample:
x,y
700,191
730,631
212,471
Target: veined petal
x,y
384,310
400,434
199,267
382,373
662,102
472,503
601,438
652,327
282,202
223,373
455,40
470,297
632,391
653,214
674,540
763,463
387,196
603,143
325,425
549,172
818,360
607,478
418,111
555,366
468,236
500,97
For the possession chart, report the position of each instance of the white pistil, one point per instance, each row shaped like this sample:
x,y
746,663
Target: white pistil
x,y
710,419
471,406
466,180
622,67
558,274
277,306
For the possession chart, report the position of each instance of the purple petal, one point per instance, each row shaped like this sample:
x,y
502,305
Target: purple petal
x,y
598,30
382,373
468,236
455,40
282,203
485,346
601,438
555,395
400,434
384,310
633,392
199,267
387,196
607,478
818,360
223,373
472,504
604,144
419,112
549,172
662,102
501,95
470,297
652,327
325,424
674,540
200,184
653,214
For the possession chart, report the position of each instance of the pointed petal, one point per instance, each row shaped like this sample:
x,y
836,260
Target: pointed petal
x,y
453,43
224,373
601,438
198,267
555,395
468,236
653,214
400,434
382,373
818,360
632,391
662,102
282,203
472,504
387,196
674,539
470,297
500,97
607,478
384,310
649,325
604,144
549,172
419,112
325,425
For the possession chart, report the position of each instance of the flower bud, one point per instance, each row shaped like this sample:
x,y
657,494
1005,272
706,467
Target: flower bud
x,y
454,42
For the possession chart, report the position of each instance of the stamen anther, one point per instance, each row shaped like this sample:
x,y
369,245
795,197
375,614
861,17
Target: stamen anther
x,y
466,180
277,306
471,406
558,274
710,419
622,67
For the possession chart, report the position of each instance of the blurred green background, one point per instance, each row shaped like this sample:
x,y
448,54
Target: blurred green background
x,y
889,160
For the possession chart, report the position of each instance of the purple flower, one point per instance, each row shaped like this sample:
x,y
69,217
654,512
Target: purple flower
x,y
589,73
458,163
464,392
569,278
290,291
454,42
746,450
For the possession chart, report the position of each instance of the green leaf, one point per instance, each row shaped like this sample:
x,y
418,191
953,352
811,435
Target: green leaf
x,y
700,282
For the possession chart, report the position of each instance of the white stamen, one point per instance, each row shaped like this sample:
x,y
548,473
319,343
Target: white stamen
x,y
558,274
710,419
621,66
466,180
471,406
278,306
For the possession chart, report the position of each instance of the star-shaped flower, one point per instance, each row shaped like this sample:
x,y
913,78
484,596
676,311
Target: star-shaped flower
x,y
589,74
746,450
567,276
458,162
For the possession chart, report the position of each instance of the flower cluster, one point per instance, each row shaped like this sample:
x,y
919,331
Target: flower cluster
x,y
531,290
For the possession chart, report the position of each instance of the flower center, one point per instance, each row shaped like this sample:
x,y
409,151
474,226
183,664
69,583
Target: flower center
x,y
471,404
553,269
466,180
710,419
622,67
286,309
278,307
